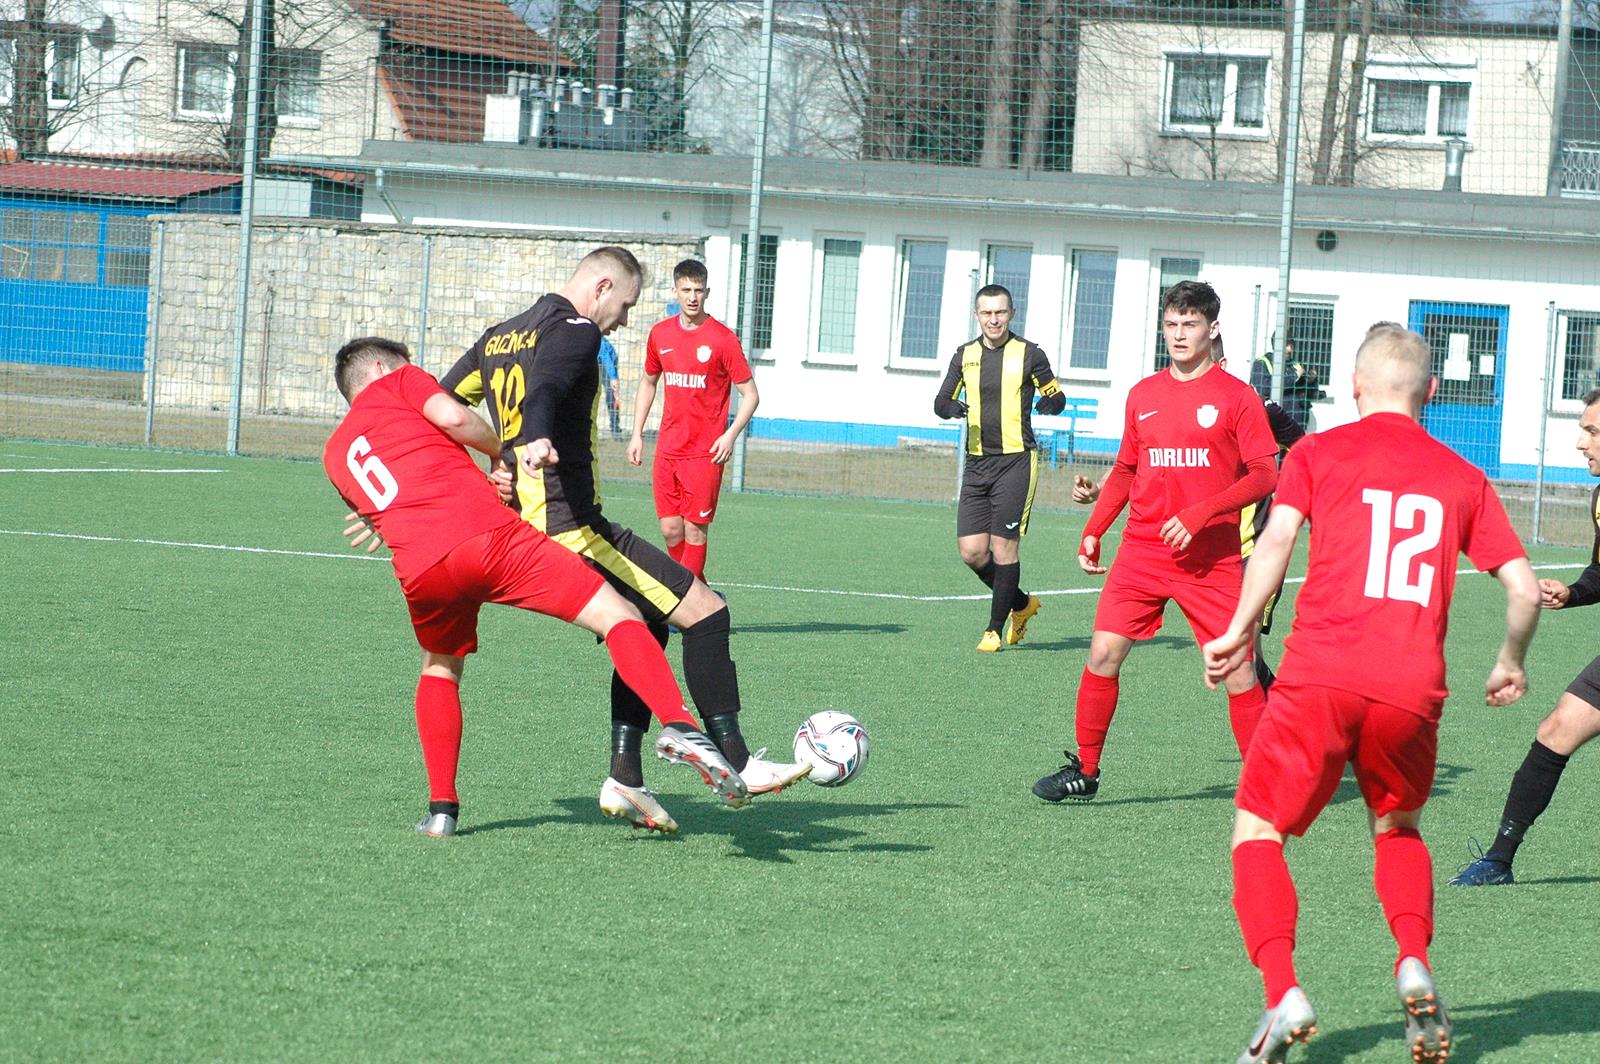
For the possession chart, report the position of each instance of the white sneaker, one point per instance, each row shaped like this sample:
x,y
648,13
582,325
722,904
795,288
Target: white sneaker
x,y
637,805
769,777
1291,1020
692,747
439,825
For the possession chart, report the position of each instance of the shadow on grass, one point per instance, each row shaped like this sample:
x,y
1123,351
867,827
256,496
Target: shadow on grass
x,y
770,830
1480,1030
816,627
1082,643
1445,778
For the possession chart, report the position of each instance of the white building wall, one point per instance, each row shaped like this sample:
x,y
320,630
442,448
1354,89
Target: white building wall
x,y
1368,277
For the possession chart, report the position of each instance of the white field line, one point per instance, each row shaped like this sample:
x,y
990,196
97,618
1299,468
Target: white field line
x,y
105,469
360,557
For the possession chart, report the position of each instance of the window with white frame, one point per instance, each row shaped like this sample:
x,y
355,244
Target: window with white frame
x,y
299,94
1093,284
920,295
205,81
1418,102
1578,342
1011,267
838,284
62,61
1172,269
1225,93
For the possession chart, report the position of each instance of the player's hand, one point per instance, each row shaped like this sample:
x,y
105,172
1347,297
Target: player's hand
x,y
1553,594
500,477
721,449
1506,684
1089,555
360,530
1224,654
1174,535
636,450
538,455
1083,489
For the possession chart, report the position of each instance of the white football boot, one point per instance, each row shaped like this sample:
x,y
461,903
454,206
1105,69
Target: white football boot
x,y
1291,1020
769,777
439,825
637,805
1427,1023
692,747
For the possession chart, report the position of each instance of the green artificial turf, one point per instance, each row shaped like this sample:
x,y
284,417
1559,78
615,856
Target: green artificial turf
x,y
212,775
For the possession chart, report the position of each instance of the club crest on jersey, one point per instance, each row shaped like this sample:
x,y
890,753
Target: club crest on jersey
x,y
703,353
1206,415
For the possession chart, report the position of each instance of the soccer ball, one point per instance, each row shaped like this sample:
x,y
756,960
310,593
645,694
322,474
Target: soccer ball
x,y
834,744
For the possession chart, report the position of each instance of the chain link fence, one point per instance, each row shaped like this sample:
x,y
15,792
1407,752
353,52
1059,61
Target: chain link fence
x,y
199,203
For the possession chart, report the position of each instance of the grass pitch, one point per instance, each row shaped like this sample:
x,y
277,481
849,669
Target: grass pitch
x,y
213,773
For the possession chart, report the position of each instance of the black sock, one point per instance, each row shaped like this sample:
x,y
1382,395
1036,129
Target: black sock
x,y
452,808
1006,579
1531,790
986,573
626,741
713,683
1265,677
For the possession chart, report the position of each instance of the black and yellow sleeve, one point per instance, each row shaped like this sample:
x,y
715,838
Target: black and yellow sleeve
x,y
947,403
464,380
1051,399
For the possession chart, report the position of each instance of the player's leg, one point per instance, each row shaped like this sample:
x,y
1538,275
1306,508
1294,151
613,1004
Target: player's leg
x,y
1098,689
1012,494
438,709
1291,772
1209,607
1574,721
669,505
974,518
701,480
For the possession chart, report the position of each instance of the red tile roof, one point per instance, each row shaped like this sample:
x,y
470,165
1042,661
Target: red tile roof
x,y
465,27
437,99
110,181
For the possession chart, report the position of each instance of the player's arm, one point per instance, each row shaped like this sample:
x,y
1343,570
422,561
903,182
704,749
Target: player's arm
x,y
1507,681
565,356
643,400
445,412
1052,400
947,403
1113,496
1584,591
1085,490
1260,477
1268,564
464,380
722,446
1285,429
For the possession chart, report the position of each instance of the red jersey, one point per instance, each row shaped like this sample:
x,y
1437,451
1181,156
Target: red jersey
x,y
419,487
1390,509
1187,441
698,368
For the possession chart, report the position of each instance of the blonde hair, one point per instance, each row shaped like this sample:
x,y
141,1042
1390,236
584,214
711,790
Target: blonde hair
x,y
1395,360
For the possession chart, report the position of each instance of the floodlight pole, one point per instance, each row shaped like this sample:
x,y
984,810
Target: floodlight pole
x,y
1291,164
752,249
247,211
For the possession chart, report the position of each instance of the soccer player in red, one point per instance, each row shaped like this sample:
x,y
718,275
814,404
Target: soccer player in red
x,y
398,458
1362,678
699,361
1196,447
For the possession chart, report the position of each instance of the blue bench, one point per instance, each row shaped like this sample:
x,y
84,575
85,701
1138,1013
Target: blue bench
x,y
1051,438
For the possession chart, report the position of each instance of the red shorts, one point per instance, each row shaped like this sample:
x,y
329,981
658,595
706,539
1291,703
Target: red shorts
x,y
1306,737
1136,594
687,488
515,565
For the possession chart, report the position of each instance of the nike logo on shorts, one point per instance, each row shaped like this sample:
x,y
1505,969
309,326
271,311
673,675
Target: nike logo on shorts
x,y
705,513
1152,413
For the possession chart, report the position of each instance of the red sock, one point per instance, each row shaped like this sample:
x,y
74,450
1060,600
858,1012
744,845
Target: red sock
x,y
675,552
1267,907
439,728
1402,872
641,664
694,557
1244,713
1097,703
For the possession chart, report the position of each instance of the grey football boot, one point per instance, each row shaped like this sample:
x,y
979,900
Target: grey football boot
x,y
683,745
1291,1020
1427,1022
439,825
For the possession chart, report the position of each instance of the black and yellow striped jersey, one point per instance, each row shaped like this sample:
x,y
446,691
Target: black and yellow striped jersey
x,y
1586,589
997,385
540,375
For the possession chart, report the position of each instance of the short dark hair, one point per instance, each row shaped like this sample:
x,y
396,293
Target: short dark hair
x,y
994,290
1591,397
353,355
1193,295
690,270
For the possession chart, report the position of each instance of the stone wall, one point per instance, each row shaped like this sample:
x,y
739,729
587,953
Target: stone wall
x,y
315,285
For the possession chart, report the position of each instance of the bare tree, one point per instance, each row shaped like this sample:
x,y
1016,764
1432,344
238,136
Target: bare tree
x,y
57,70
1000,105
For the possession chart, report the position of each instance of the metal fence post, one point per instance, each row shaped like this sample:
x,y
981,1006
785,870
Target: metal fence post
x,y
752,256
427,281
247,209
152,351
1546,375
1291,164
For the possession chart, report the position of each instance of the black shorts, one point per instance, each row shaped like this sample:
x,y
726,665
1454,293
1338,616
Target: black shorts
x,y
1586,685
997,494
641,571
